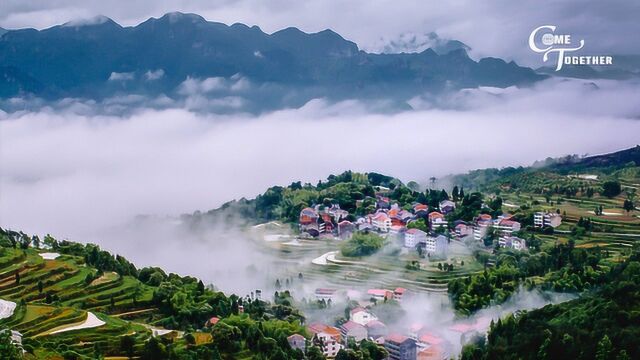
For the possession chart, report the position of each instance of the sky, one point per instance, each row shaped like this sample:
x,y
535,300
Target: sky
x,y
495,28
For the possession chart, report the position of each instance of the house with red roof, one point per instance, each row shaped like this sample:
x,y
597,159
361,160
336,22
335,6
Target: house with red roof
x,y
399,293
436,220
412,237
211,322
463,230
381,222
353,330
400,347
376,329
380,294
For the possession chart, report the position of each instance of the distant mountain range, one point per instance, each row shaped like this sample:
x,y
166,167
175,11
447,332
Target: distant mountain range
x,y
99,58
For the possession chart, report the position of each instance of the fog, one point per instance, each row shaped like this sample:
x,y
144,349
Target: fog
x,y
76,171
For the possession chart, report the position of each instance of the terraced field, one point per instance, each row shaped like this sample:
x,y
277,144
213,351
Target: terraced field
x,y
56,305
381,271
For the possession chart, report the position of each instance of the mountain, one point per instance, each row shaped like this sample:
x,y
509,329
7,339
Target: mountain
x,y
414,43
86,58
613,160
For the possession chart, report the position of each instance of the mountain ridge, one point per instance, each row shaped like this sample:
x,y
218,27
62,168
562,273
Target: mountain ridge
x,y
77,59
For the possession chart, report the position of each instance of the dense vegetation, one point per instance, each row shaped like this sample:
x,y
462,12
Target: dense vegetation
x,y
603,325
362,245
85,278
560,268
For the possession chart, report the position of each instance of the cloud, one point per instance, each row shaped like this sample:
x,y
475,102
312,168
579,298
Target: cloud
x,y
121,76
154,75
72,169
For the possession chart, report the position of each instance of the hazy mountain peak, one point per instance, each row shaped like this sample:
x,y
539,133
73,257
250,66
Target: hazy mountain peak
x,y
176,17
410,42
93,21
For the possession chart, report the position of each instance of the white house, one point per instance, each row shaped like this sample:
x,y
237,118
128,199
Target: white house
x,y
543,219
513,242
361,316
381,222
436,245
329,344
506,227
437,220
413,237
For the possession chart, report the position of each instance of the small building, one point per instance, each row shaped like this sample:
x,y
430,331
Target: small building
x,y
513,242
400,347
436,220
381,222
361,316
447,206
380,294
325,294
544,219
297,341
328,344
463,230
346,229
436,245
308,216
413,237
506,227
399,293
432,347
383,202
376,329
353,330
397,230
337,214
211,322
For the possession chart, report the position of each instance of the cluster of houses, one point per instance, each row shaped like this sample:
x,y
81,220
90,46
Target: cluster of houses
x,y
388,219
392,220
417,342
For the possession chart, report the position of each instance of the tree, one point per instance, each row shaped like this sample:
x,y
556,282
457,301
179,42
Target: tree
x,y
226,337
154,350
455,193
611,189
127,344
40,286
8,351
628,206
603,350
314,353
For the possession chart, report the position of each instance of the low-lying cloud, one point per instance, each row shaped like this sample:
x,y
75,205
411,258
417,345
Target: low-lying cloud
x,y
75,172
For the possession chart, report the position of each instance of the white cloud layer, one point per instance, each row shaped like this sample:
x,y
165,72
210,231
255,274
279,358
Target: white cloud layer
x,y
75,174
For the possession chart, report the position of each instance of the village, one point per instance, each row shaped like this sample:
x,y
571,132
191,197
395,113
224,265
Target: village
x,y
415,228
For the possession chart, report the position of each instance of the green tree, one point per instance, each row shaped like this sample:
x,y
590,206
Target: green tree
x,y
8,351
603,350
127,344
611,189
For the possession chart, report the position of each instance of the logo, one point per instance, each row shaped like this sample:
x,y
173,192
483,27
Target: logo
x,y
562,44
